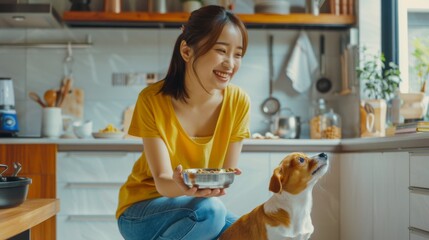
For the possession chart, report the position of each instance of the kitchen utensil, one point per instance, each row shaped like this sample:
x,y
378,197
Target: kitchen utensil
x,y
288,127
271,105
8,117
323,84
208,177
17,168
112,6
35,97
73,105
65,90
50,97
13,191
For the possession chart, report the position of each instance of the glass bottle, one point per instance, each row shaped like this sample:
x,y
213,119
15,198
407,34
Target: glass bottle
x,y
315,122
331,125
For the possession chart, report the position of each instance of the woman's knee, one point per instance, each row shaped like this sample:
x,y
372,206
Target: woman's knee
x,y
210,208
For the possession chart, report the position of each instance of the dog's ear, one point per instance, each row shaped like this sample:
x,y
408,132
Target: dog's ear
x,y
275,182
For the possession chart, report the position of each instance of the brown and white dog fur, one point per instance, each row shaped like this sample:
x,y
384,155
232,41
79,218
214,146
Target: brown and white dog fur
x,y
286,215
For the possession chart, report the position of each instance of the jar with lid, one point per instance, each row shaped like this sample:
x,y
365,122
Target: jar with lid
x,y
315,122
331,125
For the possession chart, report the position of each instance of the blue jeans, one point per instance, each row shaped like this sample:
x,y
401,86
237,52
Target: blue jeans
x,y
175,218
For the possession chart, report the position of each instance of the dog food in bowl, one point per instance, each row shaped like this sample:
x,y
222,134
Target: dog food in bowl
x,y
203,178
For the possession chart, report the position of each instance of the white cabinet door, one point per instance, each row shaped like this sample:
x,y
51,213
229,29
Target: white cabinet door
x,y
325,213
249,189
374,196
356,194
391,200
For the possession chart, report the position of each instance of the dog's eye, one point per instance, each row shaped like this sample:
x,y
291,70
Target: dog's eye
x,y
301,160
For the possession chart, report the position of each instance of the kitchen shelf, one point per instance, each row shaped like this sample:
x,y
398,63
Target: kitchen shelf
x,y
171,20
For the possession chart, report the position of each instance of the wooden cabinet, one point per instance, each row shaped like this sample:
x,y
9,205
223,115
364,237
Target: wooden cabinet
x,y
38,163
374,196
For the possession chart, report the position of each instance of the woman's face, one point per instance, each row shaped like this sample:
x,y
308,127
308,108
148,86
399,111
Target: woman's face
x,y
217,67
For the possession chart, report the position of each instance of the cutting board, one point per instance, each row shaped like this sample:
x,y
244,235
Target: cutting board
x,y
73,104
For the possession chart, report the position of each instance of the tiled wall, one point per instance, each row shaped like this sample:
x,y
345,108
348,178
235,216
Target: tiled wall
x,y
149,50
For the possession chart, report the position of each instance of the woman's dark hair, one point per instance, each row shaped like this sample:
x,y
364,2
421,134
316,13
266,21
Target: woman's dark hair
x,y
202,29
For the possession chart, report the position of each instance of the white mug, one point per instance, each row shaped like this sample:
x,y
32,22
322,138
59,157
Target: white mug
x,y
52,122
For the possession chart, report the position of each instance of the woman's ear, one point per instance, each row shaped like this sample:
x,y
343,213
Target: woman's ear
x,y
185,51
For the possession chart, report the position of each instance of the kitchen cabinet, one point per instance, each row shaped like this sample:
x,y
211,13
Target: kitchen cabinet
x,y
145,19
38,163
374,195
88,185
419,195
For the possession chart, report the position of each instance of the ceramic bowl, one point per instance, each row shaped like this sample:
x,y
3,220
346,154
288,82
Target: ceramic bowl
x,y
82,129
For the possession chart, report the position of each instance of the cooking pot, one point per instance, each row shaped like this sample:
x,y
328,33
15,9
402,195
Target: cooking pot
x,y
288,127
13,191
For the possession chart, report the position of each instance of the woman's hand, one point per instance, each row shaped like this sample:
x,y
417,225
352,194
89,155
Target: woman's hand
x,y
194,191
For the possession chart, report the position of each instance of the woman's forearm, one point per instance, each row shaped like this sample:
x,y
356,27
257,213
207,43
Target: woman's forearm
x,y
167,187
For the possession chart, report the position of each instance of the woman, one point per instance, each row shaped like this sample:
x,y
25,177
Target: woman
x,y
192,119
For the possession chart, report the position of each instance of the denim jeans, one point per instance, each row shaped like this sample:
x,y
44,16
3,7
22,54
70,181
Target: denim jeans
x,y
175,218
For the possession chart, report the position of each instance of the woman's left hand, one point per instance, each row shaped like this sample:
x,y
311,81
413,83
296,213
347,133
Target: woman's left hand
x,y
194,191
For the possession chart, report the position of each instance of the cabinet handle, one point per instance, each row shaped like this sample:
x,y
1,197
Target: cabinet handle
x,y
94,185
418,230
419,189
91,218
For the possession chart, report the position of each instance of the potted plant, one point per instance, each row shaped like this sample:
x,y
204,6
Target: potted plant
x,y
379,85
191,5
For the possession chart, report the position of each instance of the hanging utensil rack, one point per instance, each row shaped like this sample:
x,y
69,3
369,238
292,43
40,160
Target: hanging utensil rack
x,y
55,45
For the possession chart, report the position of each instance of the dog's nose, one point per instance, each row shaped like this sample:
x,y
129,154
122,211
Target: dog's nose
x,y
323,156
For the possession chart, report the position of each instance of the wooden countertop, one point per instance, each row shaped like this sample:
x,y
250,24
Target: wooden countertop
x,y
27,215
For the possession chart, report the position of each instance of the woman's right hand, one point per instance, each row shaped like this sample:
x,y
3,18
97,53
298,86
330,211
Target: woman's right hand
x,y
194,191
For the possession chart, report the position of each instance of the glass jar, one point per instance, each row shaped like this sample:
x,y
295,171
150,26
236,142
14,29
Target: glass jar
x,y
331,125
316,120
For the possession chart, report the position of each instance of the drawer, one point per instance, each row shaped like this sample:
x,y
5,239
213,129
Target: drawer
x,y
88,198
419,209
87,227
419,169
94,166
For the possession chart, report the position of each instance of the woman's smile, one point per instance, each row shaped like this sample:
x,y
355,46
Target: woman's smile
x,y
223,76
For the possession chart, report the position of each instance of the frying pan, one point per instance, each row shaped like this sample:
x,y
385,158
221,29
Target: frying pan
x,y
323,84
271,105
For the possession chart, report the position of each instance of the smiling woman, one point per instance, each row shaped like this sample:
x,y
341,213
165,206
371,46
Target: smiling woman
x,y
193,118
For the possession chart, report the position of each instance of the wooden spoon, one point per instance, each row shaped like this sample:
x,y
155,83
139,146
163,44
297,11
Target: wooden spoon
x,y
50,97
34,96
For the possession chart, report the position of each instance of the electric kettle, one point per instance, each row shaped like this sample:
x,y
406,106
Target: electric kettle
x,y
8,118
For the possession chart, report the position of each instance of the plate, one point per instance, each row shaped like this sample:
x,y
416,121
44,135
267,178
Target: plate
x,y
115,135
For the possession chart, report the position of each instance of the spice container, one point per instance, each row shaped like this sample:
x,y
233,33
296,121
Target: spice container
x,y
331,125
315,122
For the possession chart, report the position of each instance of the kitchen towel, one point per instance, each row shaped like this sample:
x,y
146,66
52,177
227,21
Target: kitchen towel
x,y
302,64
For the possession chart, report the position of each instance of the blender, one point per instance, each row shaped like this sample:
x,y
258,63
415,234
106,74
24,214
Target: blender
x,y
8,117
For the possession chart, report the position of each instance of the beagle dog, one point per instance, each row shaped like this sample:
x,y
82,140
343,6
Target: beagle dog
x,y
286,215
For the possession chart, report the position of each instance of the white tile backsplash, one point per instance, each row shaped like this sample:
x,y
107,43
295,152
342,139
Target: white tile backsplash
x,y
147,50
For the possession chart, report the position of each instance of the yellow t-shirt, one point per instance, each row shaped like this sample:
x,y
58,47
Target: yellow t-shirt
x,y
154,116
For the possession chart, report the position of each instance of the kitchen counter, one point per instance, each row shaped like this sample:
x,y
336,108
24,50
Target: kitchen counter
x,y
400,142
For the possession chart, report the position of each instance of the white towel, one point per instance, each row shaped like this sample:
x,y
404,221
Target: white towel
x,y
302,64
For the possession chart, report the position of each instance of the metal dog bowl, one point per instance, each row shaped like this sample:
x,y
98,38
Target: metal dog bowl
x,y
208,177
13,191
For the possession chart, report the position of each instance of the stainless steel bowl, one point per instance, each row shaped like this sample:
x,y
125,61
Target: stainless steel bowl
x,y
208,177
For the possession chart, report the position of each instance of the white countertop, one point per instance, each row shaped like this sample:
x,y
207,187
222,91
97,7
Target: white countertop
x,y
405,141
